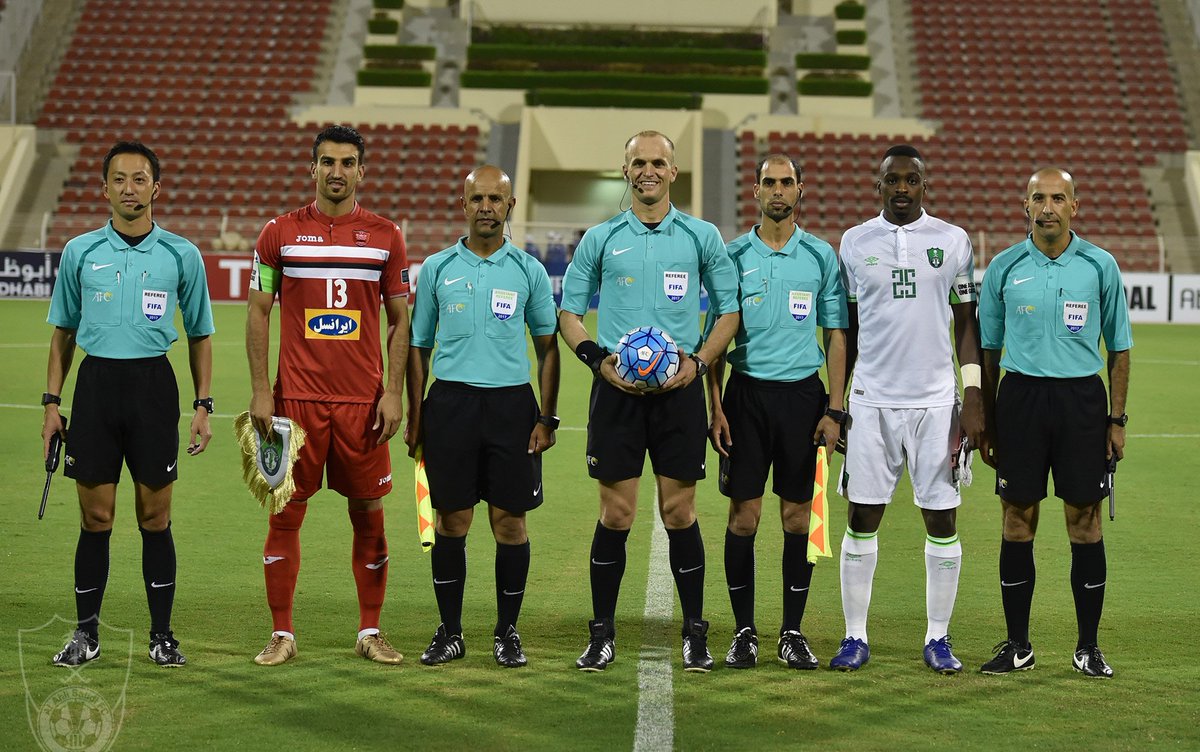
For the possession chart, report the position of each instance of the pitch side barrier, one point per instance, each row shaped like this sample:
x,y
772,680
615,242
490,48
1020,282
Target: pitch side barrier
x,y
1153,297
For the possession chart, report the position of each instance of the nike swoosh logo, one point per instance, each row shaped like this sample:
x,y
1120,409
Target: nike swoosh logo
x,y
795,589
650,367
516,593
693,569
97,267
81,592
1012,584
1090,586
1018,661
537,490
436,581
171,466
618,253
157,585
749,271
738,587
272,559
379,564
603,563
1021,281
451,281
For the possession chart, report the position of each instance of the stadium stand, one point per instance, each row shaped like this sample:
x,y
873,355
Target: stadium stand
x,y
1103,103
232,155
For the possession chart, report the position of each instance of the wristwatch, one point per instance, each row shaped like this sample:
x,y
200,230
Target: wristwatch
x,y
549,421
206,403
839,416
1118,420
50,399
701,366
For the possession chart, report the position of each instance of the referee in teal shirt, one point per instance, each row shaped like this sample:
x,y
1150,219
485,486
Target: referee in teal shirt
x,y
115,296
790,285
482,430
1047,302
648,264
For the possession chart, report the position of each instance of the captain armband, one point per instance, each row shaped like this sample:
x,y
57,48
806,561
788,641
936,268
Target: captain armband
x,y
972,375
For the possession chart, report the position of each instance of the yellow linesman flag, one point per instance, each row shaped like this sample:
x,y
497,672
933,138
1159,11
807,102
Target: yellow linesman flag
x,y
424,505
818,520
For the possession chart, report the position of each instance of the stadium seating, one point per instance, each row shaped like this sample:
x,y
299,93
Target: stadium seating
x,y
217,114
1100,101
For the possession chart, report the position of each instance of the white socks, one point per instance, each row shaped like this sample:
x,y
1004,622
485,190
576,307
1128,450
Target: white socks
x,y
943,561
860,552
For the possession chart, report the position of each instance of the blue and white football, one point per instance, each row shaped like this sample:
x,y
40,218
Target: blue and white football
x,y
647,357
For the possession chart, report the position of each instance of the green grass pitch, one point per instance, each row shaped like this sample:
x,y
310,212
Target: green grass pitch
x,y
328,698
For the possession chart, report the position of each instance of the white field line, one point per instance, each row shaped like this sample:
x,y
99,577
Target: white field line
x,y
656,694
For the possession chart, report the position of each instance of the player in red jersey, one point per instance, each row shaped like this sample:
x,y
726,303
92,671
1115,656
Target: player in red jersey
x,y
331,263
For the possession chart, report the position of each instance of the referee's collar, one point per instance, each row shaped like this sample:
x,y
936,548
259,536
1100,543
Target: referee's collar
x,y
639,228
788,249
1042,259
116,241
912,226
472,258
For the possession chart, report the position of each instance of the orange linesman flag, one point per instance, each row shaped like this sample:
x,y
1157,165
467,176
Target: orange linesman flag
x,y
818,520
424,505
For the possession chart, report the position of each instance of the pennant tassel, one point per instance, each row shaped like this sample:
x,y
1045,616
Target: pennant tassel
x,y
267,464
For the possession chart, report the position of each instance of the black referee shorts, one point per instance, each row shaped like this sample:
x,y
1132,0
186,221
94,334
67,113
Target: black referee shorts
x,y
771,423
476,442
124,410
672,426
1051,426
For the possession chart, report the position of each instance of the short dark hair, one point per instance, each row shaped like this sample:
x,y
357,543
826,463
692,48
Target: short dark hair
x,y
132,147
903,150
340,134
777,157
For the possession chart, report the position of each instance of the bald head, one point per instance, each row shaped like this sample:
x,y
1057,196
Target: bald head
x,y
1047,175
489,174
649,136
487,201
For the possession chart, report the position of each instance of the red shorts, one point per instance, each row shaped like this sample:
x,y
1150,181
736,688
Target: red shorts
x,y
342,443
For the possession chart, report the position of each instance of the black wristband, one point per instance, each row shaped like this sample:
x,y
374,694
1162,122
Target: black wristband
x,y
50,399
549,421
839,416
206,403
591,354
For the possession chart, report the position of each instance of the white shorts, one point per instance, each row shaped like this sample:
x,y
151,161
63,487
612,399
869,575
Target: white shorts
x,y
879,442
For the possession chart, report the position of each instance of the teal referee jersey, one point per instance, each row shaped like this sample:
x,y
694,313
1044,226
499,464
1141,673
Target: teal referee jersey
x,y
121,300
651,277
476,310
1049,314
785,295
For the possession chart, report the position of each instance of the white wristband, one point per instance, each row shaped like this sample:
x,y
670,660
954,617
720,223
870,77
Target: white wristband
x,y
971,375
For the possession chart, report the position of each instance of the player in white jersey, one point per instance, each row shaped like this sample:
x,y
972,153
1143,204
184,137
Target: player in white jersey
x,y
906,272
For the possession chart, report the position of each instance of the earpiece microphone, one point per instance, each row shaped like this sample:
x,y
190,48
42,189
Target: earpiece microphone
x,y
139,207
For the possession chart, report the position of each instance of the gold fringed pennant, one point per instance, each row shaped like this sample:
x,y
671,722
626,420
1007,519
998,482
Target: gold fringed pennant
x,y
267,465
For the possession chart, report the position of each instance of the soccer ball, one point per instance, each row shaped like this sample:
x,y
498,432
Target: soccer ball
x,y
647,357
